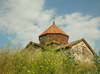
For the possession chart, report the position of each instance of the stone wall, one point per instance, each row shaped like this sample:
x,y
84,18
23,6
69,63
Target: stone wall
x,y
61,39
82,52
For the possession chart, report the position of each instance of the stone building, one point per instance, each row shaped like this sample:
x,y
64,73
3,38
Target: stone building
x,y
58,39
53,34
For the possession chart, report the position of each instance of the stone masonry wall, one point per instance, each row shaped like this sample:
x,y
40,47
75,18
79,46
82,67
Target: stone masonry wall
x,y
62,39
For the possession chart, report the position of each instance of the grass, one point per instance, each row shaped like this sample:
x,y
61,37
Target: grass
x,y
44,62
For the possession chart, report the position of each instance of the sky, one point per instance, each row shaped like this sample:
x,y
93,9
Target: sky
x,y
22,21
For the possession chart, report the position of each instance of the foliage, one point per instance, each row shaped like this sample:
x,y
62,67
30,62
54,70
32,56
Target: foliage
x,y
43,62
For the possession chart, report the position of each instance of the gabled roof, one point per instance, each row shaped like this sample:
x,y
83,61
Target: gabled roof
x,y
32,44
53,29
76,42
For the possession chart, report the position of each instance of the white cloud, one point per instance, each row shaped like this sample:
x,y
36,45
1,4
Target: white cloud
x,y
27,19
22,17
81,26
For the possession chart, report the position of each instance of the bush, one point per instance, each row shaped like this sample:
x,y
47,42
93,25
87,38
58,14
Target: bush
x,y
41,62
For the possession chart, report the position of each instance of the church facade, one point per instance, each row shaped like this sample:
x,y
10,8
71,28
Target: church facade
x,y
58,39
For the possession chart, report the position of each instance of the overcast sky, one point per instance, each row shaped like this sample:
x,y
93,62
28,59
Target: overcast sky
x,y
22,21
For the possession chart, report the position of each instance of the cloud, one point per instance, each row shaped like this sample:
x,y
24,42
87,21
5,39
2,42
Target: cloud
x,y
81,26
21,18
26,19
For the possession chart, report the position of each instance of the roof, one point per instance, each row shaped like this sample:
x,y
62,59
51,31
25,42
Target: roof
x,y
53,29
76,42
31,44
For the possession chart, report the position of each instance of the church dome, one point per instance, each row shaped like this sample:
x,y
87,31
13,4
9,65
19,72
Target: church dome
x,y
53,33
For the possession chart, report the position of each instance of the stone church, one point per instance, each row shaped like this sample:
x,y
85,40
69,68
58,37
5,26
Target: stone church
x,y
58,40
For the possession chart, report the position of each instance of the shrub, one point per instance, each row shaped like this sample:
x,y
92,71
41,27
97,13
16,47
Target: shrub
x,y
42,62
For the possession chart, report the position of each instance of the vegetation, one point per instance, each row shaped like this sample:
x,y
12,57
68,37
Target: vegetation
x,y
44,62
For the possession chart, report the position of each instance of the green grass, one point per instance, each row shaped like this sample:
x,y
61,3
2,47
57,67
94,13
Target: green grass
x,y
44,62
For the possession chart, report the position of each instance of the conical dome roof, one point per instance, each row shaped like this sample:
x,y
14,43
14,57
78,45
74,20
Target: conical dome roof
x,y
53,29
